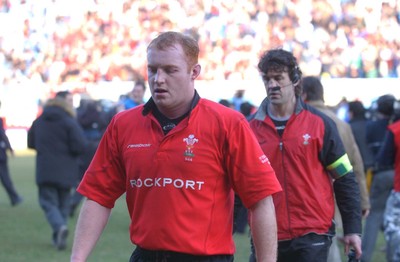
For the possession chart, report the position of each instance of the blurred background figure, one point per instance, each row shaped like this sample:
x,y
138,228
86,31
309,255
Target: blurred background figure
x,y
59,141
4,170
226,103
357,117
238,99
94,121
136,96
247,109
382,176
342,109
389,155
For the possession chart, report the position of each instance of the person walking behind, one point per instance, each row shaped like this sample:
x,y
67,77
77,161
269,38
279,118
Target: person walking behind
x,y
5,178
382,178
389,154
177,158
58,140
310,161
93,121
357,115
313,94
358,123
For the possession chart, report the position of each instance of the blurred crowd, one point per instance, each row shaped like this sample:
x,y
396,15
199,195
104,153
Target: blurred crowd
x,y
55,41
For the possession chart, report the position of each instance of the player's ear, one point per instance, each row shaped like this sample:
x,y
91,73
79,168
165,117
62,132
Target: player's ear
x,y
196,69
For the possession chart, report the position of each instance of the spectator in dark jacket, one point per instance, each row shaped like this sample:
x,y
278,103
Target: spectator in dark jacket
x,y
382,178
93,121
58,140
4,171
358,124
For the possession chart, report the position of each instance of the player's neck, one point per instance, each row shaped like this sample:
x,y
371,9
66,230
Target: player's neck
x,y
281,111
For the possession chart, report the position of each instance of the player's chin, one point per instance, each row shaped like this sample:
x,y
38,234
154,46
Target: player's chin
x,y
162,102
273,97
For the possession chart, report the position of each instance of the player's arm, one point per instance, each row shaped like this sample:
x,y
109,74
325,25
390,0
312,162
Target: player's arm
x,y
91,223
264,229
348,200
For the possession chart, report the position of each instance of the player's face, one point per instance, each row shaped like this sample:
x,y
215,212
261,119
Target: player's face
x,y
170,78
279,87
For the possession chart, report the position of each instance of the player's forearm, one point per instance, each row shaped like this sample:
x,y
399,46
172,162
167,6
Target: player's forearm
x,y
91,223
347,196
264,230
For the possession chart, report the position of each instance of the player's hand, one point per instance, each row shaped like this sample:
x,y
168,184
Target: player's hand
x,y
352,241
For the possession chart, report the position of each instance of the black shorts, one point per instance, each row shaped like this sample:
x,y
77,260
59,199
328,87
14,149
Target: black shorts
x,y
143,255
308,248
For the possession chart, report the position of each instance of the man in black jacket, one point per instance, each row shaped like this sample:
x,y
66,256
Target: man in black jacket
x,y
4,171
58,140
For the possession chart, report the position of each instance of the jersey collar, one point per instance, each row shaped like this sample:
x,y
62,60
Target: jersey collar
x,y
150,105
262,112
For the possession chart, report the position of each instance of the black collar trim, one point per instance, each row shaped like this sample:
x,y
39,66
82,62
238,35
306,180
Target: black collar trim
x,y
150,105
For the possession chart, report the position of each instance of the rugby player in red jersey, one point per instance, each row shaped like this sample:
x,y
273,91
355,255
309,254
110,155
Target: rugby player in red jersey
x,y
179,159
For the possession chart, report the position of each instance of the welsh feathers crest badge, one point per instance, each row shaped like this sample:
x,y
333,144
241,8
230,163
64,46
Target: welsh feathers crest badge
x,y
306,138
190,141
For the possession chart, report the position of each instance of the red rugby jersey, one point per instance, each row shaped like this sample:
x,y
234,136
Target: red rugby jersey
x,y
179,186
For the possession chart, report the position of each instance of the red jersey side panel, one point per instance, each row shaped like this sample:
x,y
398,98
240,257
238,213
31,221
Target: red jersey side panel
x,y
395,128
